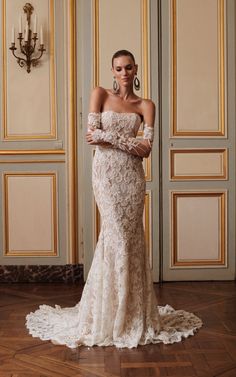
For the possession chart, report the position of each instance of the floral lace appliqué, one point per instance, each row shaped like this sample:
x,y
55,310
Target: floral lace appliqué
x,y
118,305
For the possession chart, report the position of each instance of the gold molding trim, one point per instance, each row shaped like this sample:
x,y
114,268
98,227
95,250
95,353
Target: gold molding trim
x,y
174,68
144,45
222,176
72,137
221,261
221,37
147,162
96,78
145,48
4,68
52,72
31,161
31,253
51,54
221,57
31,152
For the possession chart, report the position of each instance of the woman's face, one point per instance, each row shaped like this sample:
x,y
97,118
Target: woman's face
x,y
124,70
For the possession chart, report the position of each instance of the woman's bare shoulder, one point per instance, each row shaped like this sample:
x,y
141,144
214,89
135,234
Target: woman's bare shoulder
x,y
97,99
147,104
148,110
98,91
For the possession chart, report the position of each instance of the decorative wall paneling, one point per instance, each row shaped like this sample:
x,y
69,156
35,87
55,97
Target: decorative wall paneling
x,y
7,152
30,214
199,224
33,217
29,108
198,164
108,38
38,142
198,68
198,148
73,256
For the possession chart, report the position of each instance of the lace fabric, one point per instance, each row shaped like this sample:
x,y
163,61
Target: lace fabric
x,y
118,304
139,147
94,120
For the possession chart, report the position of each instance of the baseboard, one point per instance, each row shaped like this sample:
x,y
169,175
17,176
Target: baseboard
x,y
68,273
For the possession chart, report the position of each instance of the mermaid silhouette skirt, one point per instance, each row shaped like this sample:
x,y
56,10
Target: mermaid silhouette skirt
x,y
118,304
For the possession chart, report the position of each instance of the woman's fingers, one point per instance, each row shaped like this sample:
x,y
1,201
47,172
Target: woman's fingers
x,y
89,138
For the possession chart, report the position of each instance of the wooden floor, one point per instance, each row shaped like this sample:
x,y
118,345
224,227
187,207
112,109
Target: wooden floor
x,y
211,352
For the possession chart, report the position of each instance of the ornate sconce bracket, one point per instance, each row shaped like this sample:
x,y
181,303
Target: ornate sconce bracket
x,y
27,41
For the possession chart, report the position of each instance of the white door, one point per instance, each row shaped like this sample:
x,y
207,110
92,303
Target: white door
x,y
98,38
198,139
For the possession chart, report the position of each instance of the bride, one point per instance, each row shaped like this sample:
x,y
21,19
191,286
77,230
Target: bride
x,y
118,305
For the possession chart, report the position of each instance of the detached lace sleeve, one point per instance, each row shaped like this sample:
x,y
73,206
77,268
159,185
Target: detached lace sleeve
x,y
94,120
138,147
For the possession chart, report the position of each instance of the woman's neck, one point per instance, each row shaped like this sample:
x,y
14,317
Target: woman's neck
x,y
125,93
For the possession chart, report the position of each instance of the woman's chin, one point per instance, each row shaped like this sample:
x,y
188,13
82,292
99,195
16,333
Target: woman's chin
x,y
126,84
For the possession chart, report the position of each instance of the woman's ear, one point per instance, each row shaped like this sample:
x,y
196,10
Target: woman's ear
x,y
136,69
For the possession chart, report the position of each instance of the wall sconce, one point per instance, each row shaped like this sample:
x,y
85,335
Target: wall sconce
x,y
27,47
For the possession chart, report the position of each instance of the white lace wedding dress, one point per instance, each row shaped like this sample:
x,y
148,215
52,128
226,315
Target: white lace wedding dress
x,y
118,305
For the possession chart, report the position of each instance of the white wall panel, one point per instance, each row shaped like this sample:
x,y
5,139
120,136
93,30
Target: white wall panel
x,y
29,98
30,214
113,32
198,164
198,65
114,20
199,225
38,125
198,148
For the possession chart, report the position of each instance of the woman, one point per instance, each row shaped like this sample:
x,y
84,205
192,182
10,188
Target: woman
x,y
118,305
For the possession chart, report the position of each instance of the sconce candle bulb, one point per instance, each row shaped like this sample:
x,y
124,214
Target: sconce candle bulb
x,y
20,24
13,34
41,35
26,32
35,24
30,39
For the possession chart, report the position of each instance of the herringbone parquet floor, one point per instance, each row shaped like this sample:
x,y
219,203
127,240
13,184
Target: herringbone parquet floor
x,y
210,353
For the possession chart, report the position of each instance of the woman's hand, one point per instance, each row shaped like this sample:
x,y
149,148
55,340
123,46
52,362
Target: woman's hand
x,y
89,137
90,141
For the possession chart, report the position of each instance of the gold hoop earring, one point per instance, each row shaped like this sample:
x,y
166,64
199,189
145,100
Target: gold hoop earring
x,y
136,83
